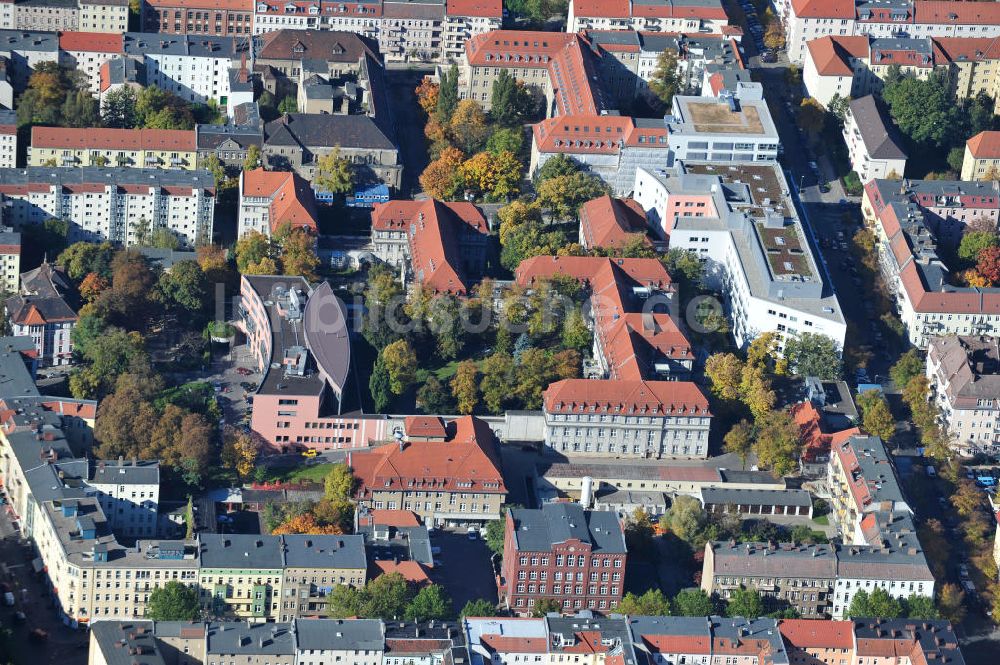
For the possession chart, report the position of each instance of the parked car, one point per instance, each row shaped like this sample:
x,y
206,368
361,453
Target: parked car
x,y
8,599
38,635
769,56
473,533
310,453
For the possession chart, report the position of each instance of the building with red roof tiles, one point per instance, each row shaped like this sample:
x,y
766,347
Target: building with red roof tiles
x,y
862,481
8,138
706,16
219,18
610,222
270,200
39,310
442,245
128,148
455,480
910,219
424,428
87,52
811,642
964,373
412,571
836,65
982,157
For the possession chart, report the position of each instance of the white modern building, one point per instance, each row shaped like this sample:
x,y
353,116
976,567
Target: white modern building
x,y
873,145
111,203
129,493
726,128
742,223
677,16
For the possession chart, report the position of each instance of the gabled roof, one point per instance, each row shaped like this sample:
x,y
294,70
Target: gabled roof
x,y
843,9
481,8
658,398
92,138
880,138
831,55
539,530
320,130
326,45
612,222
292,199
985,145
96,42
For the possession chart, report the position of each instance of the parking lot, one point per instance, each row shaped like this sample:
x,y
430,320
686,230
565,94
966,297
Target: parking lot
x,y
464,568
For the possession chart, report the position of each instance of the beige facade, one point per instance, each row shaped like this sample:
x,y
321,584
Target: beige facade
x,y
304,591
443,505
108,16
141,158
103,16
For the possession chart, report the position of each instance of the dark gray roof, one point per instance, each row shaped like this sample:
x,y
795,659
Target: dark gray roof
x,y
127,642
240,551
339,634
325,45
775,560
205,46
210,137
320,130
126,473
20,40
538,530
936,637
880,139
123,70
782,497
327,334
263,639
58,175
303,551
8,117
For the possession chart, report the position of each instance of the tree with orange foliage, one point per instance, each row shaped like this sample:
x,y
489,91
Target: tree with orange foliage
x,y
92,286
441,178
305,524
974,279
427,95
496,175
988,265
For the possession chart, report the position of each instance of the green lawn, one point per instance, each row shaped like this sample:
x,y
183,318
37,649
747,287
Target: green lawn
x,y
296,474
442,373
822,519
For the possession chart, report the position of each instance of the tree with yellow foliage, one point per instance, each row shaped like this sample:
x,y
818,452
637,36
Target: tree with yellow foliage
x,y
465,386
427,95
441,177
495,175
305,524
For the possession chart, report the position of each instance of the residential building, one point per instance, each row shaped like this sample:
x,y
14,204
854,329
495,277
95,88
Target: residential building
x,y
129,148
806,20
862,481
910,219
964,375
874,148
6,98
608,222
441,245
65,15
432,31
741,221
927,641
8,139
300,341
23,51
330,641
88,51
118,73
129,493
726,128
40,312
982,157
453,479
10,260
312,568
112,204
270,200
811,642
297,141
711,639
651,15
825,419
249,643
229,143
561,551
198,17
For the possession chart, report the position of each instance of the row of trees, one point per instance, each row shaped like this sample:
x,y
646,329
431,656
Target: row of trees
x,y
388,597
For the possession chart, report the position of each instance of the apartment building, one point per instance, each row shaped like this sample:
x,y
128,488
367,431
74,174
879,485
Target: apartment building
x,y
39,311
874,148
229,143
982,157
711,639
104,203
862,482
453,477
229,18
708,16
853,66
806,20
10,260
742,223
123,148
296,142
8,138
109,16
440,245
910,219
270,200
23,50
563,552
88,51
964,374
129,494
725,128
427,31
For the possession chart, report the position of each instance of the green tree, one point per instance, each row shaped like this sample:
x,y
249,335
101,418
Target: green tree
x,y
975,242
924,110
951,603
339,483
778,443
554,167
298,251
465,386
909,365
81,110
252,248
545,606
497,382
693,603
745,603
186,291
651,603
575,333
82,258
564,195
685,518
254,159
401,363
920,607
740,440
113,353
510,102
189,519
119,109
724,372
837,107
666,79
447,95
288,105
811,117
434,397
875,415
495,534
813,354
380,386
173,601
334,173
431,602
268,106
878,603
506,139
479,607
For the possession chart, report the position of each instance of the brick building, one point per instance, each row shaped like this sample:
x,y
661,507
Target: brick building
x,y
219,18
562,552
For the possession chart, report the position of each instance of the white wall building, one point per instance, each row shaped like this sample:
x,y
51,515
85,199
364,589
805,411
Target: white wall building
x,y
724,129
964,375
873,146
129,493
8,139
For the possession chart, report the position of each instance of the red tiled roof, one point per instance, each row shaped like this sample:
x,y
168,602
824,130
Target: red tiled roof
x,y
601,8
85,410
113,139
628,397
809,633
432,228
395,518
595,134
669,10
97,42
424,427
411,570
985,145
231,5
953,13
686,644
610,222
831,55
965,49
824,8
292,199
487,8
469,456
508,644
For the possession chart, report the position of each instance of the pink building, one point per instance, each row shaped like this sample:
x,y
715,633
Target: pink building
x,y
300,341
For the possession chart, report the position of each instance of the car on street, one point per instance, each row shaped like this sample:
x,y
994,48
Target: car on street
x,y
310,453
473,533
